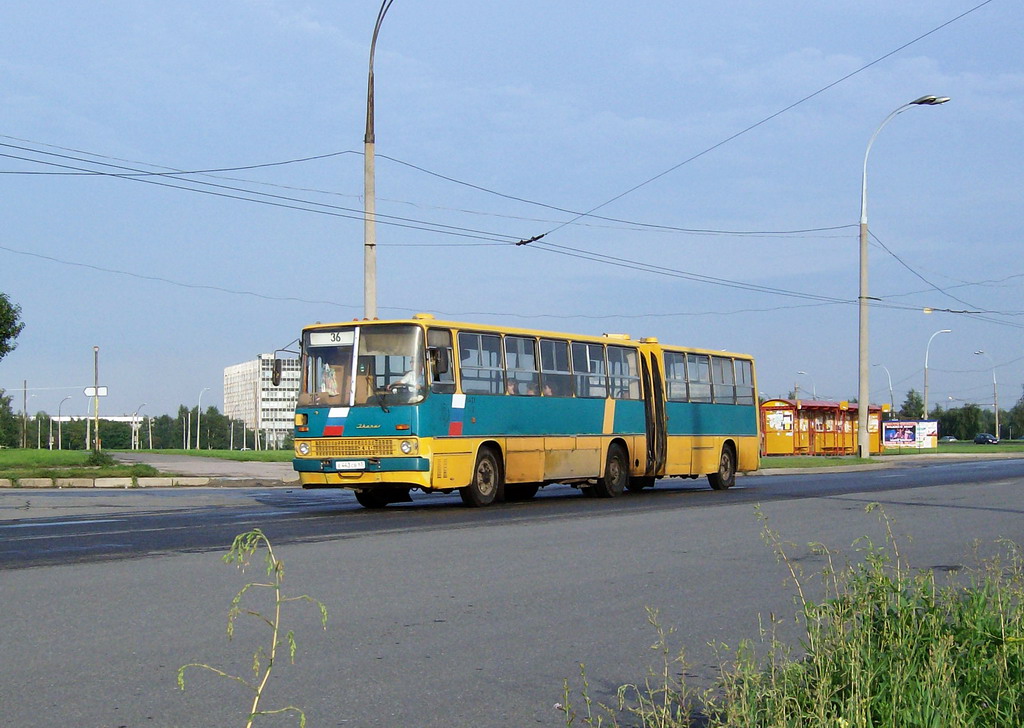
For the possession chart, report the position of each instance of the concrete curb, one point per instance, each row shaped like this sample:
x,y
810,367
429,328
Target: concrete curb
x,y
169,482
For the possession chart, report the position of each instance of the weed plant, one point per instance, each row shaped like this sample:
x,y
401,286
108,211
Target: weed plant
x,y
264,658
885,646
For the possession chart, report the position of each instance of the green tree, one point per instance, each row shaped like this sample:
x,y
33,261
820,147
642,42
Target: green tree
x,y
10,324
913,406
10,430
1014,421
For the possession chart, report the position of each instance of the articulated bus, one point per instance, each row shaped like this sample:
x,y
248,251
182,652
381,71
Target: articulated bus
x,y
496,412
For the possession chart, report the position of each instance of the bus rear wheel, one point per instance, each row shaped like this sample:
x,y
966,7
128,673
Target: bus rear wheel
x,y
486,486
616,473
726,475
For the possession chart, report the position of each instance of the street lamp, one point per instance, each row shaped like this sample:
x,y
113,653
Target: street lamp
x,y
59,420
136,440
926,350
995,391
892,402
863,394
369,186
814,390
199,414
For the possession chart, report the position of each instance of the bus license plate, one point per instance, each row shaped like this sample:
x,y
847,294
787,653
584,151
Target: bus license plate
x,y
349,465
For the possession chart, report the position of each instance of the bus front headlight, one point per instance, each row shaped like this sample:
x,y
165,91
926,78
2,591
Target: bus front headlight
x,y
407,447
303,448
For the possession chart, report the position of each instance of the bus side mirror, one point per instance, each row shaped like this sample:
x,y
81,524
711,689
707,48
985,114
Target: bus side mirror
x,y
275,377
439,359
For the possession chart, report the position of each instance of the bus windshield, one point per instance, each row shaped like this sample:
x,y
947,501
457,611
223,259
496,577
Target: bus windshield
x,y
354,366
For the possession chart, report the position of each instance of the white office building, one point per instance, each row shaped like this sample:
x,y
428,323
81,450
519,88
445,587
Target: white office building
x,y
250,396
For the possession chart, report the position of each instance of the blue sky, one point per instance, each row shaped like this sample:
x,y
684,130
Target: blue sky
x,y
483,111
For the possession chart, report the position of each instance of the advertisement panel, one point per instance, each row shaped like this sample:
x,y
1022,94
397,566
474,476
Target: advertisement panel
x,y
920,435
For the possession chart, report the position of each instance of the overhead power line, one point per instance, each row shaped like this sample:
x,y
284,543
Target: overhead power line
x,y
778,113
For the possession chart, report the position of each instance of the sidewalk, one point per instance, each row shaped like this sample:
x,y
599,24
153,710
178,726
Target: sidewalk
x,y
879,462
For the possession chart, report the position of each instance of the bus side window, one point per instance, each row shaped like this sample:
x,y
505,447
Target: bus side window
x,y
480,366
698,372
554,364
521,366
723,380
744,382
589,370
624,371
441,360
675,374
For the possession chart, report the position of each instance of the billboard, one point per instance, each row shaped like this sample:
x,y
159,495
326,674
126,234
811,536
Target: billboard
x,y
921,435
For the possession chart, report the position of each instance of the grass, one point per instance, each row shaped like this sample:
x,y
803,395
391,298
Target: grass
x,y
17,464
884,645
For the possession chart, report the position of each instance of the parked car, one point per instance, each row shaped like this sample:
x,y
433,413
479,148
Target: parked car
x,y
984,438
947,438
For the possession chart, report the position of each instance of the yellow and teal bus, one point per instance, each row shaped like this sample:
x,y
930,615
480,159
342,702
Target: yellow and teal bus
x,y
496,413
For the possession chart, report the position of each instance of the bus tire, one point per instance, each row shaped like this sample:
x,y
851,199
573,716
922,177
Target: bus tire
x,y
520,491
616,473
726,475
487,485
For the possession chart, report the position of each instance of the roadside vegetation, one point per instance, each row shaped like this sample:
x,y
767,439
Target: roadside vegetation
x,y
882,645
16,464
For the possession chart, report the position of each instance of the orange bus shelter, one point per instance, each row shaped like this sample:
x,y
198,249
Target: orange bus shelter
x,y
816,427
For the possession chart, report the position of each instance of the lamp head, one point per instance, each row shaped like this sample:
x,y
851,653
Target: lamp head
x,y
930,101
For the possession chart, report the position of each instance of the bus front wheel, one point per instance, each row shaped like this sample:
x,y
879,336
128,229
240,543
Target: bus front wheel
x,y
486,486
726,475
616,473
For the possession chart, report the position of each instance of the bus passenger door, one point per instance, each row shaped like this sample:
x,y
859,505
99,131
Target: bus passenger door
x,y
654,411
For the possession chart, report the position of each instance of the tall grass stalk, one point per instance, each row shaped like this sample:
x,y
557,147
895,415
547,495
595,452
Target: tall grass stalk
x,y
264,659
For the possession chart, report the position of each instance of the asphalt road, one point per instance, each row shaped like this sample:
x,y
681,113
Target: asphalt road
x,y
440,615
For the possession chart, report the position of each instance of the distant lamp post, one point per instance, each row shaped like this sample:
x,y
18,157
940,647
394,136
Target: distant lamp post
x,y
995,390
136,439
892,401
369,185
863,393
814,390
926,350
59,420
199,414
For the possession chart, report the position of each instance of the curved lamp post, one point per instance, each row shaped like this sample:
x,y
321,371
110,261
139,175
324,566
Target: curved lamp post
x,y
814,390
59,420
199,414
926,350
369,185
995,391
892,402
863,394
136,439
